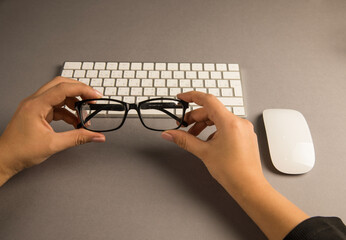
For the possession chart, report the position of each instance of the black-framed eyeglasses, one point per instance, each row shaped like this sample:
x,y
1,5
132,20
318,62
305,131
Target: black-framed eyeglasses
x,y
104,114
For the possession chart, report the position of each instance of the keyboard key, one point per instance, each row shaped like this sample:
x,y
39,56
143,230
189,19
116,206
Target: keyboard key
x,y
154,74
67,73
238,92
112,65
173,66
147,82
231,75
129,99
149,91
197,66
231,101
235,83
159,83
88,65
129,74
185,66
109,91
123,91
121,82
174,91
197,83
214,91
204,90
117,74
172,83
148,66
166,74
160,66
226,92
203,75
72,65
135,91
84,80
222,83
104,73
109,82
79,74
210,83
124,66
209,67
141,99
162,91
233,67
119,98
100,65
96,82
141,74
191,74
221,67
215,75
134,82
239,111
136,66
91,73
184,83
178,74
187,90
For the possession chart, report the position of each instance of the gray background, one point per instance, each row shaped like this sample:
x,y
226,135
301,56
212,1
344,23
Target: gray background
x,y
136,186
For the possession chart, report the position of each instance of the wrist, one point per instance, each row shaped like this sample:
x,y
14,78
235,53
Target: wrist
x,y
241,184
7,170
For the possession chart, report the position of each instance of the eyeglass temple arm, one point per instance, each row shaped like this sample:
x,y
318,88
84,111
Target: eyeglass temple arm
x,y
161,106
185,124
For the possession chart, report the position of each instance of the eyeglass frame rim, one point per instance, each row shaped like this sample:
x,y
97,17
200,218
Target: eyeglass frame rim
x,y
127,106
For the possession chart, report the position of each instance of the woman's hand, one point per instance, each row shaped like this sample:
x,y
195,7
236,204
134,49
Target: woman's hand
x,y
231,153
29,139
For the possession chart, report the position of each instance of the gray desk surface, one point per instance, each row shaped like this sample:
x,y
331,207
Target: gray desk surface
x,y
137,186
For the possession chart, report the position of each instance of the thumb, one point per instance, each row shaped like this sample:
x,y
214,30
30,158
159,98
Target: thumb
x,y
76,137
185,140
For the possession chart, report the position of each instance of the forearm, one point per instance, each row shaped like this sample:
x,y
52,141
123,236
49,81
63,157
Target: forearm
x,y
273,213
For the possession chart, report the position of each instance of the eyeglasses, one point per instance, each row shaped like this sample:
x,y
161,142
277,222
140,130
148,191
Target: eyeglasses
x,y
104,114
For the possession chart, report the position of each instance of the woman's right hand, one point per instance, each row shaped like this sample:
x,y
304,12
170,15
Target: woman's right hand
x,y
231,153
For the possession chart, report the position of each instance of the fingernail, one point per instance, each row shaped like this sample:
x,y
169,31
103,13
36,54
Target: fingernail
x,y
167,136
98,139
98,93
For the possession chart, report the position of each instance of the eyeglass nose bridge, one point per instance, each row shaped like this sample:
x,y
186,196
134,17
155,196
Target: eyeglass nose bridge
x,y
132,106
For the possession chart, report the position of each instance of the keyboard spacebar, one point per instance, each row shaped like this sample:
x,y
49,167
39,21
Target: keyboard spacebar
x,y
231,101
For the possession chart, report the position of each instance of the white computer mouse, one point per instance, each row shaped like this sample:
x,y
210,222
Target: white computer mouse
x,y
289,139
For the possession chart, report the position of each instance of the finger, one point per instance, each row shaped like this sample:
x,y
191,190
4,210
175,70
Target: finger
x,y
197,128
186,141
53,83
198,115
69,102
57,94
66,116
211,136
216,111
75,137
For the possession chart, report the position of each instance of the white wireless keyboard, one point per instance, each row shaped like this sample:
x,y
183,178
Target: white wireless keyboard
x,y
133,82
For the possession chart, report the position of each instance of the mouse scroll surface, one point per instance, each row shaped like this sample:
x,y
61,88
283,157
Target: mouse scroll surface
x,y
289,139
